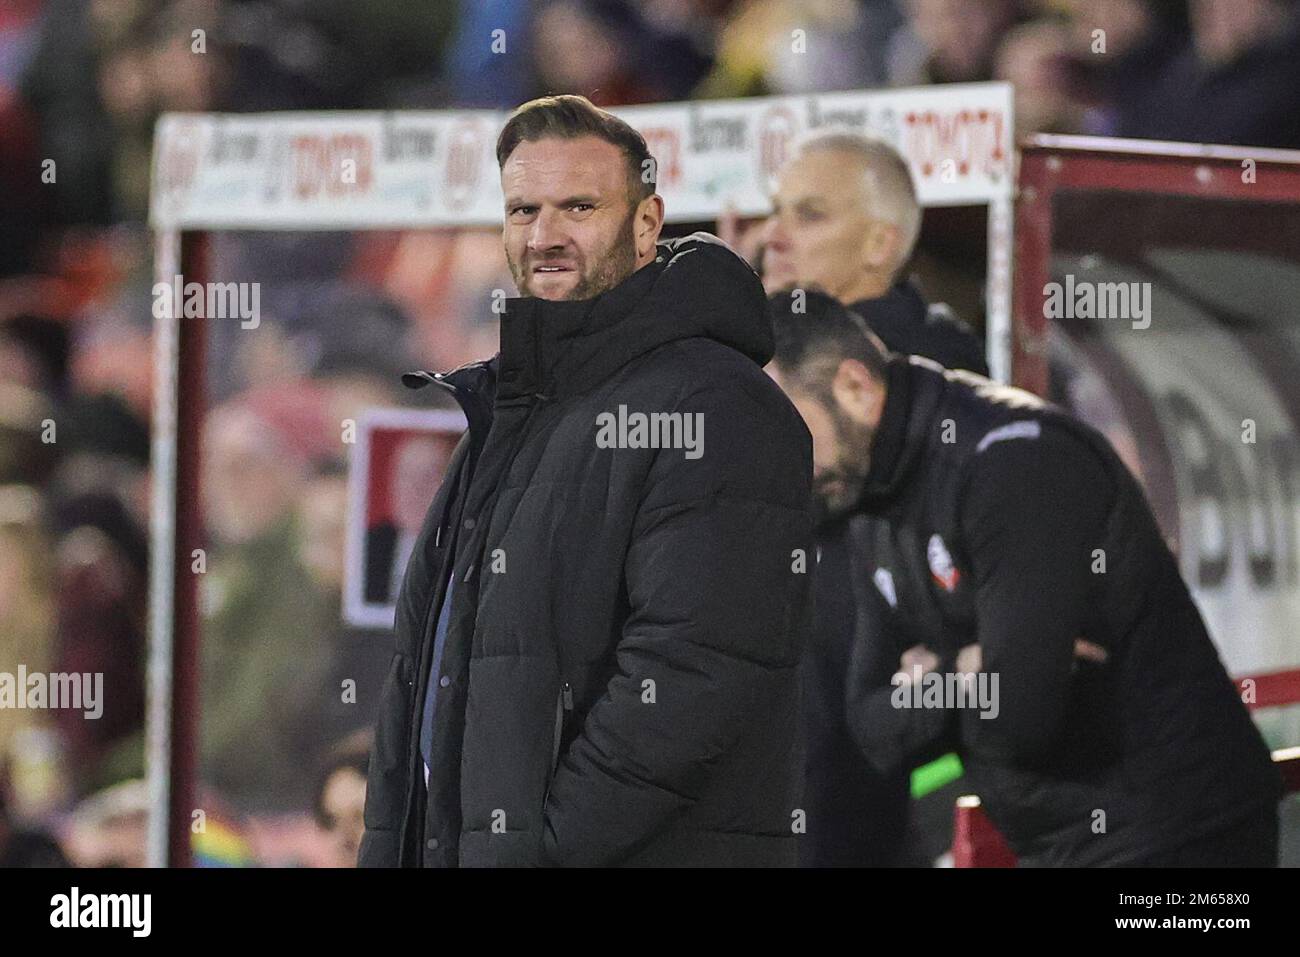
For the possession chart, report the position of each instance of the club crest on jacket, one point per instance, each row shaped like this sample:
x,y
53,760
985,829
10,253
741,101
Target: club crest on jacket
x,y
884,580
942,569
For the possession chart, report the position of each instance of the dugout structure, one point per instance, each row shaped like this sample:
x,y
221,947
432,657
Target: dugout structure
x,y
1200,393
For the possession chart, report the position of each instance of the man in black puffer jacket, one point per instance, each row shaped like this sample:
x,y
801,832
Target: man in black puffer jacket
x,y
993,535
624,532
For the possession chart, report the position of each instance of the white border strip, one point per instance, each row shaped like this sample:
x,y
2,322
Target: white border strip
x,y
1208,151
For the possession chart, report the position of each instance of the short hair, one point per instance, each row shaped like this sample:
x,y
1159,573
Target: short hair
x,y
814,332
568,117
893,196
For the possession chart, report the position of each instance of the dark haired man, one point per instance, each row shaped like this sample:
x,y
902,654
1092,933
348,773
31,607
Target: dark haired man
x,y
992,535
846,220
598,634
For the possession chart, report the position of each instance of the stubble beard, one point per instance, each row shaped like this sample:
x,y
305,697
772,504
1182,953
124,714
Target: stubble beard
x,y
605,272
849,477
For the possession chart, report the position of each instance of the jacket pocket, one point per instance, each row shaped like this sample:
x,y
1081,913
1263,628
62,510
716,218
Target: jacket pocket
x,y
509,742
563,706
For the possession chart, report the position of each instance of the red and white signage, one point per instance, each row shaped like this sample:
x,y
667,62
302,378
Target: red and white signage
x,y
420,169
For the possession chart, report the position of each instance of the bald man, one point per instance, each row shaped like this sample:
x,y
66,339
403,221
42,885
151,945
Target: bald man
x,y
845,220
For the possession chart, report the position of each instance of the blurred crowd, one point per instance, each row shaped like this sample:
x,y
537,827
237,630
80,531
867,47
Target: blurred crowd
x,y
81,85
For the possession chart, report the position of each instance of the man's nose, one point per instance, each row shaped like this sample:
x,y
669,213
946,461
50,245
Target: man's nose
x,y
774,233
546,233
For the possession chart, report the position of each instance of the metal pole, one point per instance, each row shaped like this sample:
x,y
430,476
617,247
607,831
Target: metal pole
x,y
162,553
176,530
999,328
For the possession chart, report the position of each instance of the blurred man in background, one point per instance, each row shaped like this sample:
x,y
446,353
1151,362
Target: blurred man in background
x,y
845,220
265,654
1237,82
949,41
419,464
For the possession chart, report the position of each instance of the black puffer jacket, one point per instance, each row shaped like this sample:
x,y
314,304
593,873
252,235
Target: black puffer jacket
x,y
618,683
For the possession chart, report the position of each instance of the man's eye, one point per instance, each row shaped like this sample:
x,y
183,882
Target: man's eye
x,y
582,207
523,210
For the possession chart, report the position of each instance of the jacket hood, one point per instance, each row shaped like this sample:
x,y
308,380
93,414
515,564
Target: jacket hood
x,y
696,286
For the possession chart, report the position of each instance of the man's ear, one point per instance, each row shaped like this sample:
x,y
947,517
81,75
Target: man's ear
x,y
857,392
647,222
880,246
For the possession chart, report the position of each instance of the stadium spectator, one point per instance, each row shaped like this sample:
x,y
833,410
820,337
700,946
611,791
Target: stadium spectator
x,y
1034,58
263,651
1120,50
782,46
107,829
101,579
593,47
26,596
949,41
355,674
1238,82
340,800
24,846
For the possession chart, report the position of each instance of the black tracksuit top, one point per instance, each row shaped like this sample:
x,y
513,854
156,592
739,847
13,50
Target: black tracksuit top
x,y
992,516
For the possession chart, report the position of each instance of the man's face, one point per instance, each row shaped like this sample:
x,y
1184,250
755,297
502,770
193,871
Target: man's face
x,y
816,236
961,35
841,449
569,217
1225,29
